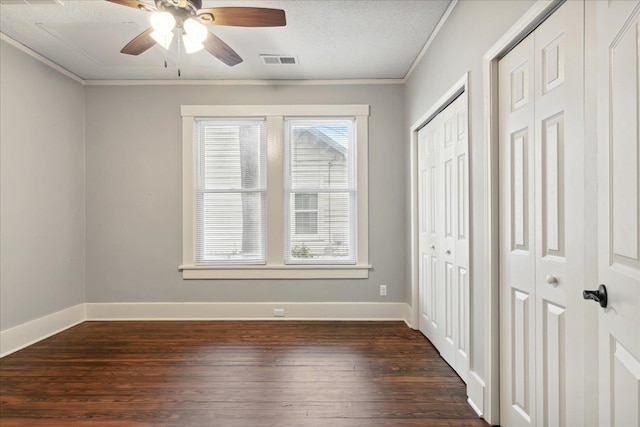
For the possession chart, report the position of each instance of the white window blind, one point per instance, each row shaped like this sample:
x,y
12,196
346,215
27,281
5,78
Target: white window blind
x,y
320,193
230,191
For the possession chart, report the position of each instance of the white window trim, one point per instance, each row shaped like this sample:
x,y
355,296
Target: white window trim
x,y
275,267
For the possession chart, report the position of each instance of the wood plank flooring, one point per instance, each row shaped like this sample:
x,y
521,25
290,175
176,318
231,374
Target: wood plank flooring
x,y
206,373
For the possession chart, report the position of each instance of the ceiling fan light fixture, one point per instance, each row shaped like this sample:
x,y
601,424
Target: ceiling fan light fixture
x,y
163,40
194,35
189,45
195,31
163,22
189,16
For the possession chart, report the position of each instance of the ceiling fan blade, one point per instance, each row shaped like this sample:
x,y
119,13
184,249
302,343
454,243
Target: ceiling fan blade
x,y
141,43
243,16
221,50
136,4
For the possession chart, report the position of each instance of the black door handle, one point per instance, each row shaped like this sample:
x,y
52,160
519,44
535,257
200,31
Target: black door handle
x,y
599,296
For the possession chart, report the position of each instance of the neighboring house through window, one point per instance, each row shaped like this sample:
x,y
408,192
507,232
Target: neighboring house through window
x,y
320,182
306,214
275,192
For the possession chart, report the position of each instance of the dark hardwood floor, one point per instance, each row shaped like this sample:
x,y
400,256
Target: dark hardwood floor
x,y
205,373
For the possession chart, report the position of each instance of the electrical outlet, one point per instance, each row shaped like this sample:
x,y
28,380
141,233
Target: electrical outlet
x,y
278,312
383,290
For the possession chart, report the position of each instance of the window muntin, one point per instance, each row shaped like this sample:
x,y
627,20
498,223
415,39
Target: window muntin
x,y
319,157
230,193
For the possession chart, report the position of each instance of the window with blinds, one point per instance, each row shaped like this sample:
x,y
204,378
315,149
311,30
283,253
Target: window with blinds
x,y
320,193
310,223
230,193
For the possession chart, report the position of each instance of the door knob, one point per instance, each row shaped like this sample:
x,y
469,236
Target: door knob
x,y
599,296
552,280
433,247
448,252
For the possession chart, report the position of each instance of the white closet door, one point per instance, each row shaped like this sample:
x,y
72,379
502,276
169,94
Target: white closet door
x,y
618,53
559,217
517,236
444,227
446,208
430,236
461,235
542,224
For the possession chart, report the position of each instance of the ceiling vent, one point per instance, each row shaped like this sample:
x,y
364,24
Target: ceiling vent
x,y
278,59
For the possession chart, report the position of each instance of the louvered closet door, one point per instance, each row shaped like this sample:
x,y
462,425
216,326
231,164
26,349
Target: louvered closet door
x,y
444,224
541,224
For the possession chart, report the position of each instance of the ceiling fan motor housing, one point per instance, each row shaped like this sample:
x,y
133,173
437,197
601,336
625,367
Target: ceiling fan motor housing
x,y
180,9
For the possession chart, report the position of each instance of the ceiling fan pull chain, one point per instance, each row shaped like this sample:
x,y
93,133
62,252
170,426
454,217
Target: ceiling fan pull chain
x,y
180,44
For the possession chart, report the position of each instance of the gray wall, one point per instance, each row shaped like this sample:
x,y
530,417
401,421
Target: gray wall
x,y
470,31
42,221
134,197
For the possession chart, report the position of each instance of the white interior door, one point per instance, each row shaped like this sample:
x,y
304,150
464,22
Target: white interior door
x,y
430,233
443,190
618,214
460,240
517,235
542,224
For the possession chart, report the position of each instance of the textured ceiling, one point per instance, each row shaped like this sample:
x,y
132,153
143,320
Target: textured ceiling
x,y
331,39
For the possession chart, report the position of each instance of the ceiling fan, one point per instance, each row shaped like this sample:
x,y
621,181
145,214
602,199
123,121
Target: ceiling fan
x,y
189,16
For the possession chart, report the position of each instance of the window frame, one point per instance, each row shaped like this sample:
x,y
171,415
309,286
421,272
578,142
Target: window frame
x,y
275,267
200,188
350,188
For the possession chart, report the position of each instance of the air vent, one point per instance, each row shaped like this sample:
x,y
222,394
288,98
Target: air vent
x,y
278,59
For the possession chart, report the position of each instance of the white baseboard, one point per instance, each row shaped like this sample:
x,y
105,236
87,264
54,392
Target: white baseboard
x,y
409,318
21,336
247,311
475,392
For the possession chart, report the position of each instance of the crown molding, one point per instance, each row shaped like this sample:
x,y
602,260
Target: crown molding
x,y
430,40
37,56
242,82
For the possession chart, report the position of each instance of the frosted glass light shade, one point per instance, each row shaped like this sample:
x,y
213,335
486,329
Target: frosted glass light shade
x,y
163,22
195,31
163,40
189,45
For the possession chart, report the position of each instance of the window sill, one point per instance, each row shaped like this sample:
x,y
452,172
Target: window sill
x,y
255,272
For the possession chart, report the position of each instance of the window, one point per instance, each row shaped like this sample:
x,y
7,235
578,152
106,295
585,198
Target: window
x,y
320,200
230,191
275,192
